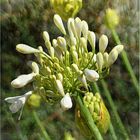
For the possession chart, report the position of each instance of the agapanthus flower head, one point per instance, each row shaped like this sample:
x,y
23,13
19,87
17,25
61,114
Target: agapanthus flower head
x,y
67,67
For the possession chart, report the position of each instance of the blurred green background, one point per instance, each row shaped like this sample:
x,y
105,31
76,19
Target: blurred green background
x,y
23,21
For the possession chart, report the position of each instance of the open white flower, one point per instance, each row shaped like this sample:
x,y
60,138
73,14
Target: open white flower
x,y
91,75
66,102
18,102
22,80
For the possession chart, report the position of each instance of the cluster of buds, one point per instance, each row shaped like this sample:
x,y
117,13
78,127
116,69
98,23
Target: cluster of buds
x,y
99,113
68,65
66,8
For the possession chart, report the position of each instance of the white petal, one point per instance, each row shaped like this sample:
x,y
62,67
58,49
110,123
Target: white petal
x,y
16,106
12,99
22,80
66,102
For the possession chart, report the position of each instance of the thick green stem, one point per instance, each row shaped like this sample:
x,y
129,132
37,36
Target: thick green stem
x,y
88,118
126,62
111,128
113,107
46,136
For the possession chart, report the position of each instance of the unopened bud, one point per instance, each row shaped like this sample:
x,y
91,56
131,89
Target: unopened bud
x,y
91,75
25,49
85,29
75,68
58,22
46,36
92,39
100,61
59,87
105,56
78,26
66,102
61,43
113,55
119,48
103,42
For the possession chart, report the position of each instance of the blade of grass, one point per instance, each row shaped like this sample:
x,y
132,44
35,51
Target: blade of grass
x,y
126,62
44,132
113,107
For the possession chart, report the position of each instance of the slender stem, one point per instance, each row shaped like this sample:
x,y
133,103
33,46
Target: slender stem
x,y
112,131
46,136
88,118
111,128
113,107
126,62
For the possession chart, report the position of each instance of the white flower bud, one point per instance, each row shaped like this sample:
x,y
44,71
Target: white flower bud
x,y
66,102
119,48
91,75
94,58
22,80
34,66
46,36
59,87
69,27
92,39
54,42
73,28
105,56
62,43
58,22
51,52
85,29
78,26
100,60
82,78
25,49
73,41
75,56
83,43
113,55
103,42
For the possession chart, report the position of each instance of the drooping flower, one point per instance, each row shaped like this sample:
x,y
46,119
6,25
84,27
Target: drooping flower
x,y
18,102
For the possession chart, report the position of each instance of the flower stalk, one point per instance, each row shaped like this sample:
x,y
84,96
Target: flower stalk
x,y
126,62
88,118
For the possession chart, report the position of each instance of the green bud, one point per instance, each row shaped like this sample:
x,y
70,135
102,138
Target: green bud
x,y
60,77
75,56
111,18
34,100
75,68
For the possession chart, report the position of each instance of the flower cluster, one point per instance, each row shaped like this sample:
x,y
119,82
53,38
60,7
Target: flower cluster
x,y
66,8
68,66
